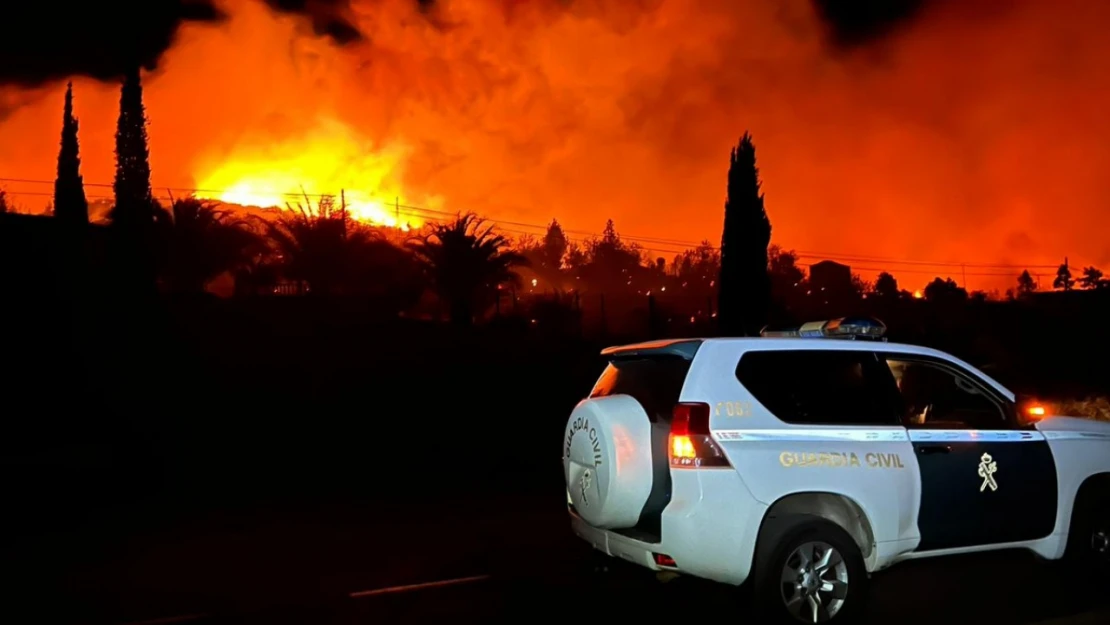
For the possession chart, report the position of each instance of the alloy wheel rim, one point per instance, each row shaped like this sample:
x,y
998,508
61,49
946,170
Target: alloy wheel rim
x,y
1100,543
814,582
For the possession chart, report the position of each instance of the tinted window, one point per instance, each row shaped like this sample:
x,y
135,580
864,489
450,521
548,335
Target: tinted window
x,y
655,382
940,397
819,387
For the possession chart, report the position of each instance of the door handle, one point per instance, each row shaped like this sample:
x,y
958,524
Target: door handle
x,y
935,449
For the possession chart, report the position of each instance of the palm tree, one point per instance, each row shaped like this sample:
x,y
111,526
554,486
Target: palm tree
x,y
201,242
310,243
466,262
322,247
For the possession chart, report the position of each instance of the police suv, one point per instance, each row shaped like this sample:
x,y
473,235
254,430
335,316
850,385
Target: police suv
x,y
805,464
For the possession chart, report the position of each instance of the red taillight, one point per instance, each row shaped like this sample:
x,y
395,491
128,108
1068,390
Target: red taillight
x,y
664,560
692,444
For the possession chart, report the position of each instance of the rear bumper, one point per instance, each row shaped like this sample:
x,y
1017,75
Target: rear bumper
x,y
710,535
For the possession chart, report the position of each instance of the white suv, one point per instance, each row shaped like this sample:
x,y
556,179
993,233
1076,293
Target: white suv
x,y
804,464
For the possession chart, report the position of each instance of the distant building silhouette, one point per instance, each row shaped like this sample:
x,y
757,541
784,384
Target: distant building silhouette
x,y
830,276
830,285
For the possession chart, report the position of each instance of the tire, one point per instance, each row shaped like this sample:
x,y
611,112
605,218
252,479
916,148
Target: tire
x,y
838,591
1088,551
596,565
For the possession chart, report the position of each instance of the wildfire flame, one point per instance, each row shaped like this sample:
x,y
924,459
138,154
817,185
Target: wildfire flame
x,y
627,109
329,160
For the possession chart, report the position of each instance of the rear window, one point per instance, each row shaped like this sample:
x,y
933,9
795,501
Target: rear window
x,y
656,382
820,387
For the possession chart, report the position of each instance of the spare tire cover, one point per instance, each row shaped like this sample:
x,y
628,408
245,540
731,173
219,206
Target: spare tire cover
x,y
607,461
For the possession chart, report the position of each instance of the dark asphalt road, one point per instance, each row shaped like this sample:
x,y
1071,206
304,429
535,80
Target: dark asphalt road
x,y
279,566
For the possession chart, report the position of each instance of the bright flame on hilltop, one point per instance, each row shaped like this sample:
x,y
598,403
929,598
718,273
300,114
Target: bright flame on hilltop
x,y
328,161
262,191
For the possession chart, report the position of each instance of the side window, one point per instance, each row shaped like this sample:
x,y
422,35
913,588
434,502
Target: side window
x,y
937,396
819,387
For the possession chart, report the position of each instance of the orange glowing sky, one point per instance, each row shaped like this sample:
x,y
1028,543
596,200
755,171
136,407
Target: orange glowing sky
x,y
978,139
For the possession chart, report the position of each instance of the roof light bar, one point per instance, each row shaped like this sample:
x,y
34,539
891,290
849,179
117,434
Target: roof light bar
x,y
852,328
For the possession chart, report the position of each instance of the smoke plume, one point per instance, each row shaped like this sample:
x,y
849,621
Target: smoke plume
x,y
947,131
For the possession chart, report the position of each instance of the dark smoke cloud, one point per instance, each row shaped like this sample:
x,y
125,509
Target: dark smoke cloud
x,y
850,23
45,40
49,40
327,17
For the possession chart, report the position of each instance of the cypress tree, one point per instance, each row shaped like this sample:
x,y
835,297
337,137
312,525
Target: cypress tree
x,y
744,289
134,199
69,189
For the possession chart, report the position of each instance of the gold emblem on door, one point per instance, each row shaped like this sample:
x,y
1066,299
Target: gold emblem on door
x,y
987,468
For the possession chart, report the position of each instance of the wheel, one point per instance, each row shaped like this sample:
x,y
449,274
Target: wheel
x,y
811,571
1089,539
598,565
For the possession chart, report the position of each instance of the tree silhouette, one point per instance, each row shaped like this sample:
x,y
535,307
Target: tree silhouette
x,y
466,263
745,286
314,244
202,242
134,201
1092,278
554,247
788,280
324,251
861,287
886,287
1063,277
5,203
697,270
70,203
1026,283
945,290
575,258
782,265
545,257
611,265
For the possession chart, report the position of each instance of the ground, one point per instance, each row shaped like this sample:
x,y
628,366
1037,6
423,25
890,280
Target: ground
x,y
502,558
234,467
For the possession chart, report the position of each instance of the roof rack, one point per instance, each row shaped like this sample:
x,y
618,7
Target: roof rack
x,y
851,328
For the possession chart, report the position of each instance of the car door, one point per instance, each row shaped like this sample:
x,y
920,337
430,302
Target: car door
x,y
985,479
822,422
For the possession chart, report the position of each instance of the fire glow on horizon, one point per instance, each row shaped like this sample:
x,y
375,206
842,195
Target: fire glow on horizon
x,y
625,109
329,161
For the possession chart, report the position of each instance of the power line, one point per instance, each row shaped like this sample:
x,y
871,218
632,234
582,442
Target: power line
x,y
649,244
948,264
685,245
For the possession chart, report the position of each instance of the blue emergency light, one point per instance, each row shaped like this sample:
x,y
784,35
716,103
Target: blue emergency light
x,y
852,328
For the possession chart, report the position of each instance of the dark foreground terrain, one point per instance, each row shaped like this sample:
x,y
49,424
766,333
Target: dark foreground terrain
x,y
470,560
262,463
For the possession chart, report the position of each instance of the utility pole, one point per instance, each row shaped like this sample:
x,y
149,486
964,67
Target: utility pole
x,y
964,268
343,209
397,210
